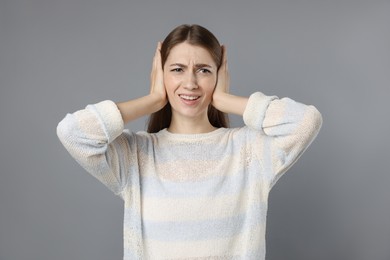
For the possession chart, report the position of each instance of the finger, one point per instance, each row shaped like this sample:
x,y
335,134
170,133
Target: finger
x,y
157,51
158,55
225,61
224,54
155,65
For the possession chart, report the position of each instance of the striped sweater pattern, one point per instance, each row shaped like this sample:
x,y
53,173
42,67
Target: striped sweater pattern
x,y
193,196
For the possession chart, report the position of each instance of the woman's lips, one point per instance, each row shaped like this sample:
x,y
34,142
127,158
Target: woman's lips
x,y
189,99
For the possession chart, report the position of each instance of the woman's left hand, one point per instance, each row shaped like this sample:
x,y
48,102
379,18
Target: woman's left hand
x,y
221,90
222,99
223,80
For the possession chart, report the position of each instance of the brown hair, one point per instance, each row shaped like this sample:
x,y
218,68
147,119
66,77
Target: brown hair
x,y
199,36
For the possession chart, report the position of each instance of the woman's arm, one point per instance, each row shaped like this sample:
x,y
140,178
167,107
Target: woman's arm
x,y
94,135
151,103
290,126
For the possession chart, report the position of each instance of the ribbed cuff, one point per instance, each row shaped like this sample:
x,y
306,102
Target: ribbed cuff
x,y
255,110
111,118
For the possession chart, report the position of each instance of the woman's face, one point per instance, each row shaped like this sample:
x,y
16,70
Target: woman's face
x,y
190,75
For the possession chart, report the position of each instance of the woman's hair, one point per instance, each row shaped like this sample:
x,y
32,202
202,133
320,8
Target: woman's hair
x,y
199,36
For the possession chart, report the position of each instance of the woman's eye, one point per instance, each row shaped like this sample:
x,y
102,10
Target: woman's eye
x,y
204,71
177,70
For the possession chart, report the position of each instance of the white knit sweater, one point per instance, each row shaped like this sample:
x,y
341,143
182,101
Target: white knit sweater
x,y
200,196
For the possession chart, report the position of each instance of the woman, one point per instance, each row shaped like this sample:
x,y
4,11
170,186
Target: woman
x,y
192,187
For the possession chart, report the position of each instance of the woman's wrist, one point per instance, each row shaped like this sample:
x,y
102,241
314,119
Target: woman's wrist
x,y
156,102
229,103
136,108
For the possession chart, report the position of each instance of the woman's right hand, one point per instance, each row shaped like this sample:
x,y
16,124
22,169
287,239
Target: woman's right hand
x,y
157,87
157,98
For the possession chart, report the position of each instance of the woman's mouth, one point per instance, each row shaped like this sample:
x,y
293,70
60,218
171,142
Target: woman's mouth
x,y
189,98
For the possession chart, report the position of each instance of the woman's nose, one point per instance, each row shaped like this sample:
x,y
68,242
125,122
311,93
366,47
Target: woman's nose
x,y
190,81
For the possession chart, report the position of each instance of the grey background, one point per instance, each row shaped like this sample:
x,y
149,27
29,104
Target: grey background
x,y
58,56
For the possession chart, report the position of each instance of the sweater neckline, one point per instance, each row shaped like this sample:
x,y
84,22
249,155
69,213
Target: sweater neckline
x,y
217,131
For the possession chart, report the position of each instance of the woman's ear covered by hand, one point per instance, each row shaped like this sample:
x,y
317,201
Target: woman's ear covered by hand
x,y
157,87
157,98
222,99
223,80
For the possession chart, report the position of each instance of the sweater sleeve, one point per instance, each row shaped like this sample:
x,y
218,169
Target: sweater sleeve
x,y
288,126
93,137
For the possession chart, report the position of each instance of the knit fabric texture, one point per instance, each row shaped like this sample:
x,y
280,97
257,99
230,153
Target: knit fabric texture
x,y
193,196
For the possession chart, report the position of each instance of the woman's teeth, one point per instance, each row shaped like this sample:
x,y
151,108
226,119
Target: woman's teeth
x,y
189,97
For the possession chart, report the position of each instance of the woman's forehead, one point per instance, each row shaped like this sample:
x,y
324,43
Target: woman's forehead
x,y
187,53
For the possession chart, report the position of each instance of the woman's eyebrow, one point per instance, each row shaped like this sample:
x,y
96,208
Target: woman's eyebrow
x,y
199,65
203,65
178,65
